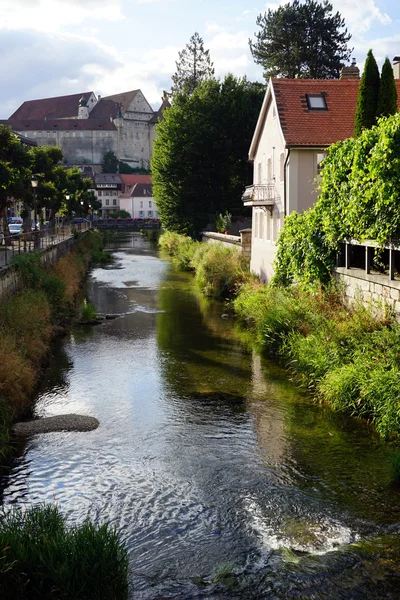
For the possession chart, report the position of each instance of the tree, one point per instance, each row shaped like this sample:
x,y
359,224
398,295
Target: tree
x,y
368,93
109,163
193,67
301,39
14,170
387,99
199,163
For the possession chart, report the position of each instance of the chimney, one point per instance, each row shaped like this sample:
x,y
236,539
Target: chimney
x,y
98,98
396,67
352,72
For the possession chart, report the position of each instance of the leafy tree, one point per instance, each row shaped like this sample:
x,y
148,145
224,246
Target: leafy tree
x,y
193,67
368,93
199,163
109,163
126,169
301,39
387,100
14,170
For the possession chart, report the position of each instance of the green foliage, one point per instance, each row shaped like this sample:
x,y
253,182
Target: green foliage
x,y
192,67
199,163
88,311
348,357
301,39
359,199
223,222
41,557
110,162
368,93
180,247
219,270
387,100
126,169
119,214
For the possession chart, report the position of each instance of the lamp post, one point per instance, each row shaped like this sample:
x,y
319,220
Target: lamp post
x,y
34,184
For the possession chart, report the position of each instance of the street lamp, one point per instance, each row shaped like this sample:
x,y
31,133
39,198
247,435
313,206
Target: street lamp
x,y
34,184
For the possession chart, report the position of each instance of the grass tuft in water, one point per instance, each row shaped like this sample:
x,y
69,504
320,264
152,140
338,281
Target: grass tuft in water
x,y
40,557
88,311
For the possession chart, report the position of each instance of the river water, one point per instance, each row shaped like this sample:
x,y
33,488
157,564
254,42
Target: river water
x,y
224,479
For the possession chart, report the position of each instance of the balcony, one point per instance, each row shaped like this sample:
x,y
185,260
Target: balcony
x,y
260,195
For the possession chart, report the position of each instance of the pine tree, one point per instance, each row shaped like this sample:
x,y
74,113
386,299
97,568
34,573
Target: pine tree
x,y
301,39
368,93
387,101
193,67
109,163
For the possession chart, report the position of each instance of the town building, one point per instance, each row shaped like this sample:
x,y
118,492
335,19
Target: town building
x,y
138,199
298,121
107,189
85,127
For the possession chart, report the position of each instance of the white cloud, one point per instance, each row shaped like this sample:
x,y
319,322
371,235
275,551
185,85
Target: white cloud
x,y
55,15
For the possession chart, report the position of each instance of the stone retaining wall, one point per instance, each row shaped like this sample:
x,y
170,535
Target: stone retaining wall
x,y
11,282
369,289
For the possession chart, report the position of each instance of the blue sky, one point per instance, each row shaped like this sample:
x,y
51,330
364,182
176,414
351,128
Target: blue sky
x,y
56,47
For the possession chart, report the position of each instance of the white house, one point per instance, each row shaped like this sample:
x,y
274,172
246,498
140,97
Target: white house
x,y
138,201
299,119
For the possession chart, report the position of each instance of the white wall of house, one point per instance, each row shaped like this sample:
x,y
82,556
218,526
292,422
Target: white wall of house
x,y
268,170
142,207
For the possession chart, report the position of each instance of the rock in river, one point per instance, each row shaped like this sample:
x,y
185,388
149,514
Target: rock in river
x,y
58,423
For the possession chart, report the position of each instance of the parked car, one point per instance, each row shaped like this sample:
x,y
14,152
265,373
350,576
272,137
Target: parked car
x,y
79,220
14,220
15,229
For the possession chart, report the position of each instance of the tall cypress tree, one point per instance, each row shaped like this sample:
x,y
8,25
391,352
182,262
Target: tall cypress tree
x,y
368,93
387,101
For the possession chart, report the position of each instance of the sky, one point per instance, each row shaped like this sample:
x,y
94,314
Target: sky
x,y
57,47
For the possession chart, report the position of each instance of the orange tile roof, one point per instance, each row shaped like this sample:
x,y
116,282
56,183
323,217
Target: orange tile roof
x,y
304,127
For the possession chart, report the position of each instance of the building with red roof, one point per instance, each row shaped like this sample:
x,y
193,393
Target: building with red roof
x,y
298,121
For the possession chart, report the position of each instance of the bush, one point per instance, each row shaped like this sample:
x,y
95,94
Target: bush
x,y
41,558
88,311
219,270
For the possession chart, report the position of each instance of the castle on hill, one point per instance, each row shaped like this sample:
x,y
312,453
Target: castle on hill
x,y
85,127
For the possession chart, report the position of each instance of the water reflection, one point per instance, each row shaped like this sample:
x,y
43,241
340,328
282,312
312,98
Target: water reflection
x,y
206,456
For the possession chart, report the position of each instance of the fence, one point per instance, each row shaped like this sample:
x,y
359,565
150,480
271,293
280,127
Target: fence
x,y
39,239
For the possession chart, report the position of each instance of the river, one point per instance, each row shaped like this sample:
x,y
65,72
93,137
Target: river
x,y
224,479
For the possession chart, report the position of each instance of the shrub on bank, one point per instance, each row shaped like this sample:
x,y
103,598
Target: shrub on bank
x,y
219,270
347,356
40,557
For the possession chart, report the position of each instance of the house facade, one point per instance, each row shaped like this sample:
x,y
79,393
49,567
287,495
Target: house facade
x,y
298,121
107,189
138,199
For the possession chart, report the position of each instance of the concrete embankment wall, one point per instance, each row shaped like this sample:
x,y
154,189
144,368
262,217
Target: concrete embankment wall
x,y
370,289
11,282
242,243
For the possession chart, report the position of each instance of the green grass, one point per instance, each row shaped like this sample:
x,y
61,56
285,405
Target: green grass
x,y
88,311
348,357
41,557
395,466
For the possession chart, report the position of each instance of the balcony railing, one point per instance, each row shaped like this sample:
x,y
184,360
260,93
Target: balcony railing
x,y
260,195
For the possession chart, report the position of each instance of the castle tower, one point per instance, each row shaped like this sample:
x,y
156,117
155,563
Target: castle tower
x,y
83,111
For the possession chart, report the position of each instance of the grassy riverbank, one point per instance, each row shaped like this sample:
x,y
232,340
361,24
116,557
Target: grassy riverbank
x,y
348,357
29,321
40,557
218,270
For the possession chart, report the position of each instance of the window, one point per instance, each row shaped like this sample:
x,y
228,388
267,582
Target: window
x,y
150,214
269,169
261,225
259,173
282,166
99,194
141,214
268,228
49,133
256,224
141,204
114,202
150,204
107,202
316,101
320,158
82,134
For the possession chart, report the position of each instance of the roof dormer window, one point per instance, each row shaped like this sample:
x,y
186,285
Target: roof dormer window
x,y
316,102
